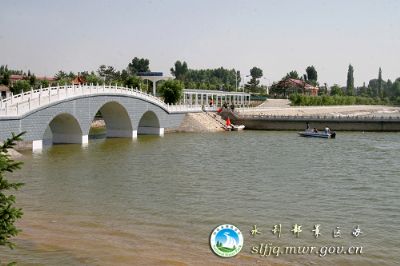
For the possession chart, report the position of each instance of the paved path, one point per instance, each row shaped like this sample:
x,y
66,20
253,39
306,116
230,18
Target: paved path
x,y
275,103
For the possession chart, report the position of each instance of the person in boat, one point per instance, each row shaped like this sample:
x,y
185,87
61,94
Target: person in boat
x,y
307,126
315,130
327,130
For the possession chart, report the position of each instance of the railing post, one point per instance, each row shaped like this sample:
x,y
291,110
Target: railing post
x,y
29,104
12,96
58,92
6,107
17,108
49,93
40,96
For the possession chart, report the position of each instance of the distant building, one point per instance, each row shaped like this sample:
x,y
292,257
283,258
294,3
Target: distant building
x,y
4,92
291,85
15,78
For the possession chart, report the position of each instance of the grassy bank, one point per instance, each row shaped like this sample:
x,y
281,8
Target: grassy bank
x,y
305,100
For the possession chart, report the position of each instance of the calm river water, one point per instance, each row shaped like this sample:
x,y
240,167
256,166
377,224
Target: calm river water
x,y
155,200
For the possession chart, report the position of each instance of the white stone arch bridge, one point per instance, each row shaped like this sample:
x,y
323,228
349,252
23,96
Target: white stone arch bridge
x,y
65,113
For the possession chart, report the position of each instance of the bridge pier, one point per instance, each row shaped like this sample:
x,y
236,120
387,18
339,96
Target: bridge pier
x,y
37,145
159,131
118,133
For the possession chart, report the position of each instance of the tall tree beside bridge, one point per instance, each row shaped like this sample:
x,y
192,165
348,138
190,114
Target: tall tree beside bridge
x,y
9,214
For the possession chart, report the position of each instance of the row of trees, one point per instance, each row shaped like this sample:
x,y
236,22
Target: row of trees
x,y
380,90
216,79
29,80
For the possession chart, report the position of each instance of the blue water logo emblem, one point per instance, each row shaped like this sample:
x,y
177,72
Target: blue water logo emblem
x,y
226,240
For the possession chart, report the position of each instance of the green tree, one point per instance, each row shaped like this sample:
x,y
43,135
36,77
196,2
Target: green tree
x,y
133,82
8,213
180,70
5,78
21,86
32,80
312,74
44,83
171,91
380,83
138,65
350,81
108,73
256,73
336,90
293,75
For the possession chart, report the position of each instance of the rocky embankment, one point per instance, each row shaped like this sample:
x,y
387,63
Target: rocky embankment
x,y
201,122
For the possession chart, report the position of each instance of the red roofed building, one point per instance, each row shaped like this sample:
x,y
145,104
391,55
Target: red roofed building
x,y
78,81
297,85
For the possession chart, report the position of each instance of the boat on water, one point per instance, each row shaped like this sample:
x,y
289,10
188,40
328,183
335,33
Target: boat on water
x,y
237,127
312,134
231,127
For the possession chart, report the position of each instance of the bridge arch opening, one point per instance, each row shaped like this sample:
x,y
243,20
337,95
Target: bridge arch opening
x,y
149,124
117,122
63,128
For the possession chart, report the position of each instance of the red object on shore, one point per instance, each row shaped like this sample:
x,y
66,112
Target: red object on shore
x,y
228,122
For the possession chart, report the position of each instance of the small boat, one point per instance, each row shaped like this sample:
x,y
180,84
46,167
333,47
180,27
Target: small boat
x,y
323,134
237,127
232,127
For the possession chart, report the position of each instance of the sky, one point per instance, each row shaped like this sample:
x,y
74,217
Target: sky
x,y
276,36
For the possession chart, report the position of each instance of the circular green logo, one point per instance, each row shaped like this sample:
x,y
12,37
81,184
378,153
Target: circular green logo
x,y
226,240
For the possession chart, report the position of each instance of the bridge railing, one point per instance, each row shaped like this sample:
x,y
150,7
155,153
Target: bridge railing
x,y
24,102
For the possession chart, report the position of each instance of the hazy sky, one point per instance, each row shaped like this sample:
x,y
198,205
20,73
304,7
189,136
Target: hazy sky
x,y
277,36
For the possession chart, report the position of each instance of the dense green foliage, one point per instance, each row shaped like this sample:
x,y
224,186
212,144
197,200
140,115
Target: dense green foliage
x,y
305,100
8,213
206,79
350,81
180,71
293,75
171,91
20,86
138,65
312,75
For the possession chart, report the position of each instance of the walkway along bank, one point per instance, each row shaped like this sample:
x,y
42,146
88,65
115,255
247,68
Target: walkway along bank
x,y
338,123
